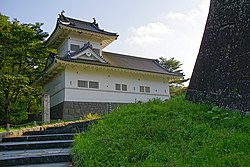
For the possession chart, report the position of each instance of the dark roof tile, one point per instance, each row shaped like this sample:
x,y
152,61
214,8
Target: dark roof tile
x,y
127,62
83,25
135,63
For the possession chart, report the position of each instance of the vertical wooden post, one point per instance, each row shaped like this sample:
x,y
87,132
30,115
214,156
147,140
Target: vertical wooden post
x,y
8,128
110,108
46,108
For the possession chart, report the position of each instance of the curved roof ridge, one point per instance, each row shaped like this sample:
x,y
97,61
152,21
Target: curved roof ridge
x,y
84,25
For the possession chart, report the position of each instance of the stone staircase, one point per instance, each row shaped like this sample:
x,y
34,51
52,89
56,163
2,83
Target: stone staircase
x,y
50,147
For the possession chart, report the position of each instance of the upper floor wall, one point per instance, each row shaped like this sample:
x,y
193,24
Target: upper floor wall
x,y
73,42
69,28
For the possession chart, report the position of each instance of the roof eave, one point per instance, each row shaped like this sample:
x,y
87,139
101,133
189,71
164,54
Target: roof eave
x,y
108,35
106,39
105,65
53,69
53,38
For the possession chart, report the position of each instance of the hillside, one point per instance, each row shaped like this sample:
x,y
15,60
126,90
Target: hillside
x,y
172,133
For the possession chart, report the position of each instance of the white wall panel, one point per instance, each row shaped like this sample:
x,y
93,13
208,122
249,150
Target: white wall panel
x,y
107,80
56,89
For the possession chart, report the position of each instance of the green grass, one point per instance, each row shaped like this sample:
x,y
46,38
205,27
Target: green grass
x,y
172,133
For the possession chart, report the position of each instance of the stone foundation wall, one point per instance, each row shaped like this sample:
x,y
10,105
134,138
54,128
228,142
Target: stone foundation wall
x,y
69,110
222,70
75,110
117,105
232,101
56,112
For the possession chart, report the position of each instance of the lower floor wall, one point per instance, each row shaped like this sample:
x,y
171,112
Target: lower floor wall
x,y
69,110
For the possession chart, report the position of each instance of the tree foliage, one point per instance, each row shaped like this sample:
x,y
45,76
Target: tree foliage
x,y
22,58
177,85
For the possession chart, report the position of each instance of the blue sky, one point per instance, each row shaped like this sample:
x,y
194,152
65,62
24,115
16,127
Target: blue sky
x,y
146,28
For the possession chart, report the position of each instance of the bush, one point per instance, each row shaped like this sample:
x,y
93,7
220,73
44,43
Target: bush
x,y
91,116
172,133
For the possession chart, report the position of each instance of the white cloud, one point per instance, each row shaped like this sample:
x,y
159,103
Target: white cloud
x,y
148,34
193,18
176,15
204,6
177,34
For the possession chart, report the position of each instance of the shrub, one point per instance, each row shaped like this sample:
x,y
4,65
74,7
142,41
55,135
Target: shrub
x,y
90,116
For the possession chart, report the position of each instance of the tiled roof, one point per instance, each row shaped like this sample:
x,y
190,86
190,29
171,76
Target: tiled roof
x,y
135,63
83,25
126,62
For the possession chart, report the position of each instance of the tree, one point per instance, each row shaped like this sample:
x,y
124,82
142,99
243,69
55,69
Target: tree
x,y
176,86
22,59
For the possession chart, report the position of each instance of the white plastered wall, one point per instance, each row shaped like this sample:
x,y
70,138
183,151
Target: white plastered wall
x,y
74,39
159,87
63,49
56,89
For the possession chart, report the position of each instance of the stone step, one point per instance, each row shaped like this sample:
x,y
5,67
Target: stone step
x,y
49,147
65,136
48,132
60,164
28,145
54,131
75,126
69,128
39,156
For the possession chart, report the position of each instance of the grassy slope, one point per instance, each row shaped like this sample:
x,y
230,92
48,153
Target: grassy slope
x,y
173,133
